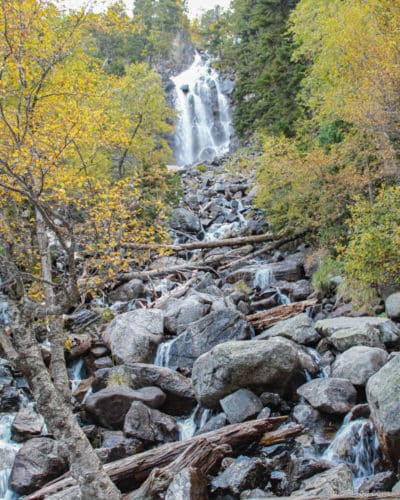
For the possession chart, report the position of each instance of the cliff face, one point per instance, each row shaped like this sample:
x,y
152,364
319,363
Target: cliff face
x,y
180,57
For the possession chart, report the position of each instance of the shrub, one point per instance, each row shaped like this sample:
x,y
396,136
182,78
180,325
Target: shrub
x,y
321,279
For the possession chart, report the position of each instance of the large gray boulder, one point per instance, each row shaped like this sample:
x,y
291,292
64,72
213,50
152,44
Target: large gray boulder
x,y
135,335
276,365
392,306
367,335
358,363
241,405
383,391
180,313
204,334
177,388
300,329
330,395
150,426
336,481
37,462
109,406
183,220
389,333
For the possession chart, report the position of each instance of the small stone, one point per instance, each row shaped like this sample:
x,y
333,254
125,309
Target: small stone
x,y
264,413
243,473
27,424
241,405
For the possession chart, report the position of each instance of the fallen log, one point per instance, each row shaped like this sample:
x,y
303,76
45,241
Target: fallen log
x,y
347,496
266,319
129,473
202,455
198,245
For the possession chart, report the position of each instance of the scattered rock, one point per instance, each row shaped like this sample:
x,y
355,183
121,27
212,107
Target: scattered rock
x,y
358,363
271,399
241,405
383,481
242,474
264,413
185,221
336,481
392,306
350,337
188,484
299,329
216,422
37,462
27,424
330,395
180,313
151,426
9,398
134,289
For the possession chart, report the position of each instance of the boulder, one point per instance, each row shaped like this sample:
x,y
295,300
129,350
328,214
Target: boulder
x,y
135,335
273,365
188,484
330,395
9,398
392,306
358,363
350,337
114,446
389,332
336,481
150,426
216,422
177,388
183,220
109,406
382,391
27,424
383,481
300,329
241,405
243,473
265,276
134,289
180,313
201,336
37,462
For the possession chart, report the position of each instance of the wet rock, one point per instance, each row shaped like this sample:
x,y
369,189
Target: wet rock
x,y
308,416
299,329
392,306
383,481
179,314
188,484
305,467
241,405
259,365
286,270
396,487
115,446
27,424
330,395
336,481
201,336
360,411
6,377
243,473
383,398
134,289
80,345
389,332
9,399
271,399
134,336
216,422
37,462
151,426
81,319
254,494
264,413
350,337
177,388
109,406
185,221
358,363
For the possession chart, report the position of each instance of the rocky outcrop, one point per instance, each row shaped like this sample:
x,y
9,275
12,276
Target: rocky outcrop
x,y
330,395
260,365
358,363
37,462
201,336
383,398
134,336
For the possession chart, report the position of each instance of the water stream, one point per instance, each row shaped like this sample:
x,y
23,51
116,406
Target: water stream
x,y
8,451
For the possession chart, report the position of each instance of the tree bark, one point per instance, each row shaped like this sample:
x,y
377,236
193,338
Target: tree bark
x,y
266,319
130,472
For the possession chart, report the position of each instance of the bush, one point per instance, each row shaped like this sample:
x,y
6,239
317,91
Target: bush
x,y
321,279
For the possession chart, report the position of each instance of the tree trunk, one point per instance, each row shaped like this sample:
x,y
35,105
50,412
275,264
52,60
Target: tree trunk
x,y
266,319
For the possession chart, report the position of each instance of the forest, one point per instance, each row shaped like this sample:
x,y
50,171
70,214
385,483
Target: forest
x,y
114,256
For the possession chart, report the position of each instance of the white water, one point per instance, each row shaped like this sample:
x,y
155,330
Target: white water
x,y
204,125
356,445
195,421
75,373
264,279
8,450
162,355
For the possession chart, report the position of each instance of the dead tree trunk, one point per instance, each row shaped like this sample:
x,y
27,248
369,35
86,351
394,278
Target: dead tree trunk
x,y
130,472
266,319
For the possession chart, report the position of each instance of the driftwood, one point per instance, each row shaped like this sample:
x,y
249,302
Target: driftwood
x,y
361,496
201,455
197,245
266,319
130,472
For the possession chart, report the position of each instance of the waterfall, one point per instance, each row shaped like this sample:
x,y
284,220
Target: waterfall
x,y
195,421
8,450
264,279
162,355
204,125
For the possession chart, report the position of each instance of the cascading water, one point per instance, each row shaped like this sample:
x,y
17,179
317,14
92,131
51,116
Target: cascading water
x,y
204,125
265,279
8,450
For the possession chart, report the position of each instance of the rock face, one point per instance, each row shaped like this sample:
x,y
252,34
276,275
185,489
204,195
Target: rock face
x,y
134,336
179,314
201,336
27,424
109,406
36,463
330,395
358,363
177,388
383,390
336,481
389,332
299,329
151,426
241,405
185,221
259,365
392,306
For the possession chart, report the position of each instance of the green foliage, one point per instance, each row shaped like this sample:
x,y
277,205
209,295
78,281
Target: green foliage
x,y
201,168
240,286
118,377
328,269
372,257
